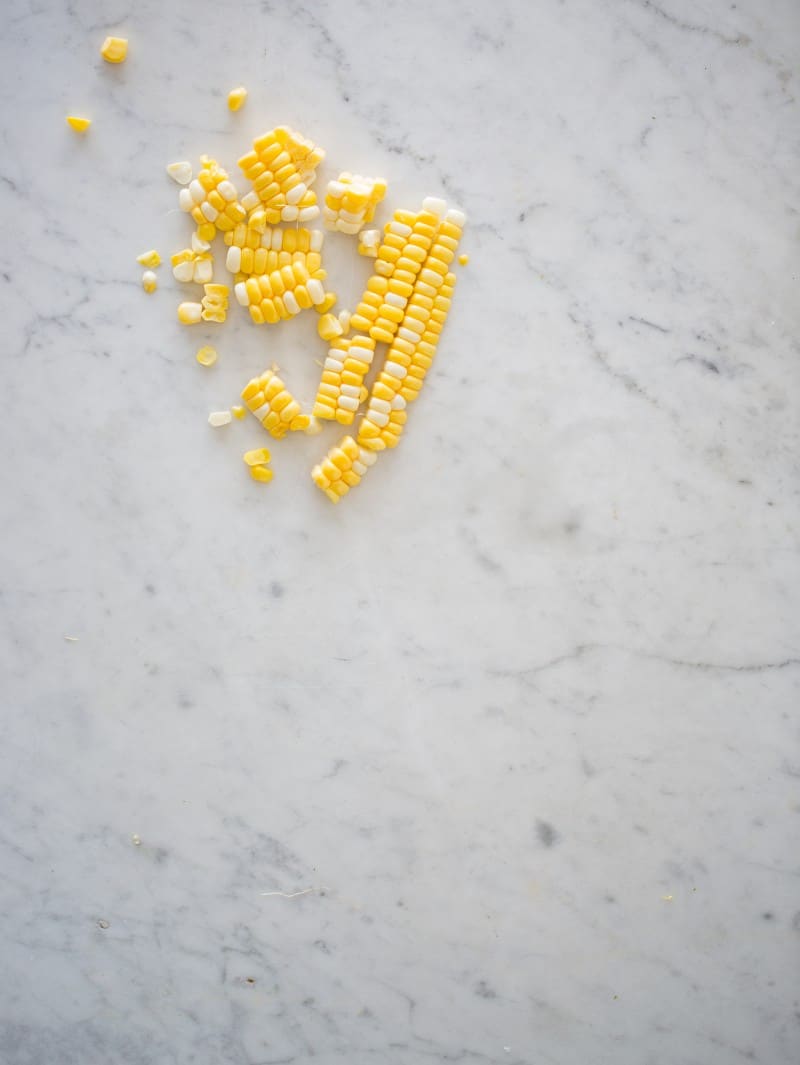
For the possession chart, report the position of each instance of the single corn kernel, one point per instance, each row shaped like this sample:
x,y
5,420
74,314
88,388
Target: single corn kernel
x,y
80,125
236,98
329,327
206,356
150,259
149,281
190,313
327,302
180,172
218,418
257,457
114,50
261,473
463,259
239,412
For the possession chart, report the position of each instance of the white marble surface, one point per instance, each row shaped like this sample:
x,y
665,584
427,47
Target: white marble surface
x,y
518,719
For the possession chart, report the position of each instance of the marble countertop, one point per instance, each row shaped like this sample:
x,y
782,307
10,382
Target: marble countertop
x,y
497,761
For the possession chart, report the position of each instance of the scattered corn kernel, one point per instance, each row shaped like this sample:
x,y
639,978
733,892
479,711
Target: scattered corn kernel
x,y
257,457
329,327
463,259
80,125
218,418
237,97
206,356
149,281
239,412
261,473
180,172
190,313
114,50
150,259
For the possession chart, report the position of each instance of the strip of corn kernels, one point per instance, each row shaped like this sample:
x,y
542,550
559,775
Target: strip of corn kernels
x,y
250,252
342,468
412,351
281,294
268,398
405,246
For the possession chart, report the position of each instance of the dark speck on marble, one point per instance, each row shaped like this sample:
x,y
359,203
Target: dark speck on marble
x,y
546,833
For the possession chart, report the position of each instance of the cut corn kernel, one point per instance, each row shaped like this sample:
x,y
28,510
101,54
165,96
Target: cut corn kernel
x,y
239,412
114,50
218,418
180,172
237,97
258,457
206,356
149,281
261,473
463,259
150,259
80,125
190,313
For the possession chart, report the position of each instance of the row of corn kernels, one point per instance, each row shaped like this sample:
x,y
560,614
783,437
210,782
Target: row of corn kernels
x,y
342,468
281,294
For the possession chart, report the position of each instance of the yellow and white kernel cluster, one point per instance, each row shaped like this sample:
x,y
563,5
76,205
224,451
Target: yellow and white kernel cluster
x,y
342,468
282,167
268,398
257,462
212,308
350,201
212,200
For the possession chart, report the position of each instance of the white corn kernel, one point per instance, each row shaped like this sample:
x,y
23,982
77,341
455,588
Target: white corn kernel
x,y
198,193
185,201
233,259
199,245
149,281
435,205
180,172
218,418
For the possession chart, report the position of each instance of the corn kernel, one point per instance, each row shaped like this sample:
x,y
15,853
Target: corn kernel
x,y
114,50
190,313
261,473
258,457
329,327
150,259
149,281
236,98
218,418
325,304
80,125
206,356
181,172
463,259
239,412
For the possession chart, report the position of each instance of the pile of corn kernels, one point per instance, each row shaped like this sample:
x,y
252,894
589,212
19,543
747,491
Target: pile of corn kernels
x,y
277,268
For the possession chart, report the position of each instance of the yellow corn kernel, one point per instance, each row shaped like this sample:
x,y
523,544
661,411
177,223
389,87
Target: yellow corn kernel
x,y
463,259
206,356
150,259
239,412
327,303
257,457
329,327
261,473
236,98
149,281
115,49
206,231
80,125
